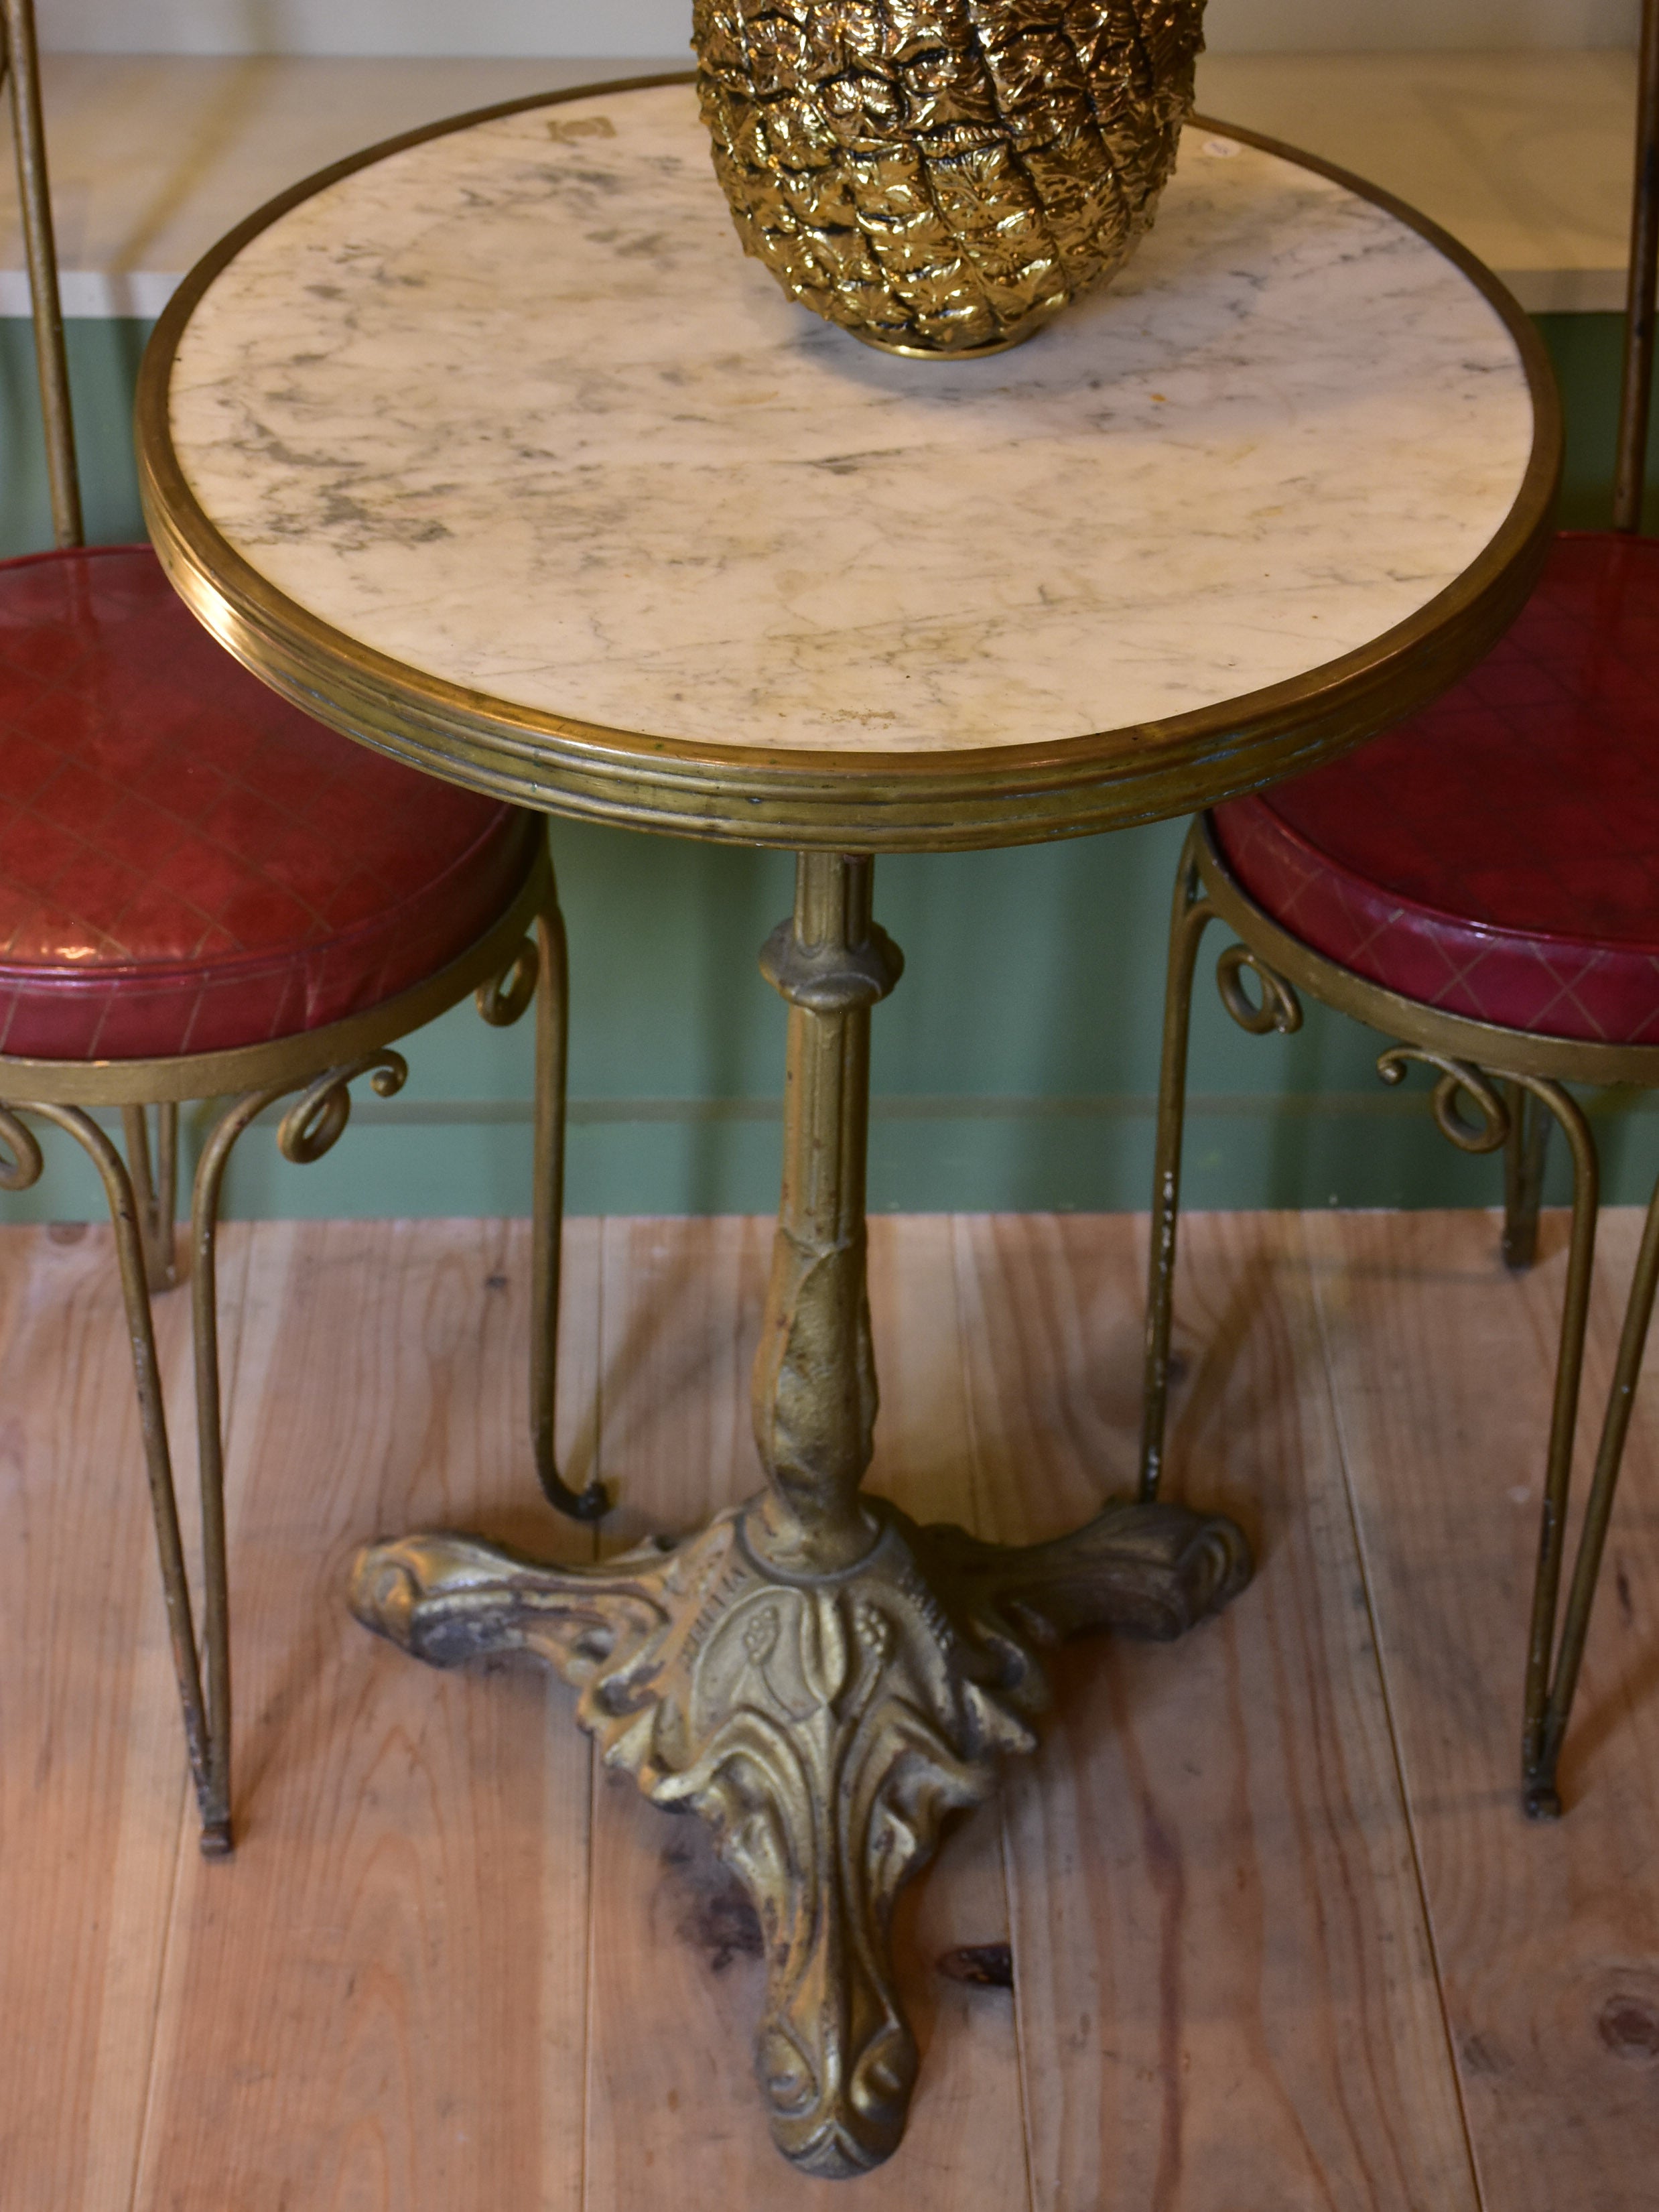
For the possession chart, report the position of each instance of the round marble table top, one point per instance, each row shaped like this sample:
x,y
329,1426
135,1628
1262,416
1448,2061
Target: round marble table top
x,y
493,449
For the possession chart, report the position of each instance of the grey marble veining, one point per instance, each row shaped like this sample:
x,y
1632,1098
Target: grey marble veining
x,y
511,407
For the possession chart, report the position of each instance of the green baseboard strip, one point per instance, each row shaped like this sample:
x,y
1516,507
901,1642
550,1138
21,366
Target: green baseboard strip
x,y
586,1112
589,1113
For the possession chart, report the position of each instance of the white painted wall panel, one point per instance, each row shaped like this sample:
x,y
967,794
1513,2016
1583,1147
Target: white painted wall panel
x,y
661,26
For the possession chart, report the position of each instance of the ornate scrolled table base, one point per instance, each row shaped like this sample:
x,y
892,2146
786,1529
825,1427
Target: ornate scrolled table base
x,y
825,1726
820,1678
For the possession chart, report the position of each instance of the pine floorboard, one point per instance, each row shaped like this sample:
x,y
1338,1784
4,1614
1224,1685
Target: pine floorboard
x,y
394,1965
1548,1935
92,1785
1280,1938
1225,1986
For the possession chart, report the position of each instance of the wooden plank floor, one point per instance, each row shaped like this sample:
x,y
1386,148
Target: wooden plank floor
x,y
1281,1939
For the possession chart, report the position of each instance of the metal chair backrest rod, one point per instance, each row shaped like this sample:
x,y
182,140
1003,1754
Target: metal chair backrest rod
x,y
23,62
1636,399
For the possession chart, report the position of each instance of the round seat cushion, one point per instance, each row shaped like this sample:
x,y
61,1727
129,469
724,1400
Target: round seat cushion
x,y
1497,856
187,864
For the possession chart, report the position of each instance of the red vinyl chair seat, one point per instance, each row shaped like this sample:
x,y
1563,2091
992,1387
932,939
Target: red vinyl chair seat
x,y
187,864
1497,856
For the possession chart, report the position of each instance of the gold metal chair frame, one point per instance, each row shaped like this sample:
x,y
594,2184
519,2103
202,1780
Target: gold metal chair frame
x,y
521,958
504,970
1514,1082
1513,1079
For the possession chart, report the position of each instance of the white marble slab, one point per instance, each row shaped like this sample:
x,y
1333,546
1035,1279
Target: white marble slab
x,y
512,408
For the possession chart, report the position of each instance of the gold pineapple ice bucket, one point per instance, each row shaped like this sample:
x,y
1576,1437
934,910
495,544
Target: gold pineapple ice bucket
x,y
942,177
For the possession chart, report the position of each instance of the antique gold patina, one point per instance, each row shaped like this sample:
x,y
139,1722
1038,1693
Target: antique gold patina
x,y
820,1678
941,177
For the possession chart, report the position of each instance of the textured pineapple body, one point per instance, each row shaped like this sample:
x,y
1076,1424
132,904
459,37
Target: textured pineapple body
x,y
941,176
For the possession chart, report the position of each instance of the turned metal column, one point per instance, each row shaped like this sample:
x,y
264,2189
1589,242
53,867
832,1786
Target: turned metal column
x,y
814,1378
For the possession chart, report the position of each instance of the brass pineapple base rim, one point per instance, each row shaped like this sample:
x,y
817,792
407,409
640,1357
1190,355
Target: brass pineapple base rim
x,y
949,353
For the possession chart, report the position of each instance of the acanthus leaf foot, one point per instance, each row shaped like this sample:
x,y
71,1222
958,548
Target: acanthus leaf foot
x,y
825,1725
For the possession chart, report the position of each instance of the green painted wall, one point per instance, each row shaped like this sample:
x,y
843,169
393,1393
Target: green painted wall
x,y
1013,1068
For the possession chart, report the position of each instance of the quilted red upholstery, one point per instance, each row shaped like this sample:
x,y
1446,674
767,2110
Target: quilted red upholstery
x,y
1497,856
187,864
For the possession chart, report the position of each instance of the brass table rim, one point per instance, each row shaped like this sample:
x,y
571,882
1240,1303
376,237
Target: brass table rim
x,y
932,799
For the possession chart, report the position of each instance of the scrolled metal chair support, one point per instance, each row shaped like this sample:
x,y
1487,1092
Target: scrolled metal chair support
x,y
1501,1075
1506,1104
1278,1011
156,1192
23,1169
1482,1106
314,1071
1524,1155
308,1130
250,1067
539,971
1457,1079
503,998
311,1128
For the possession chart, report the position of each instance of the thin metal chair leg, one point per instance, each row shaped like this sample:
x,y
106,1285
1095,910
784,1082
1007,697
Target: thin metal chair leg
x,y
216,1835
1190,915
167,1179
1542,1796
1524,1150
1550,1677
309,1129
1538,1795
135,1291
541,971
552,1040
156,1192
19,59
